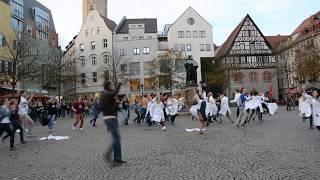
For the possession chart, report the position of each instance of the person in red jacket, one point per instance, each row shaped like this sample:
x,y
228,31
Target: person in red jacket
x,y
78,109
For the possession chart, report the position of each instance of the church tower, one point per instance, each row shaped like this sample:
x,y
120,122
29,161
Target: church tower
x,y
100,5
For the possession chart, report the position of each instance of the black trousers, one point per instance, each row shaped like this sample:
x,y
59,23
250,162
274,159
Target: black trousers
x,y
318,127
238,111
6,128
173,118
17,126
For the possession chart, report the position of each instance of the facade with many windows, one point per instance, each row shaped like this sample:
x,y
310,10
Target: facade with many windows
x,y
249,59
92,51
136,44
191,35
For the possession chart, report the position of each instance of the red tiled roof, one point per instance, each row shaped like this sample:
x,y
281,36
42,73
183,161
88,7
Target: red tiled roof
x,y
307,23
274,41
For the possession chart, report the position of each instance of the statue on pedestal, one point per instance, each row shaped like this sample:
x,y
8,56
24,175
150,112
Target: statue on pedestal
x,y
191,69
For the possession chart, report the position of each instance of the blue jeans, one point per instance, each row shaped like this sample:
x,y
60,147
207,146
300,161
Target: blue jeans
x,y
112,126
51,118
125,113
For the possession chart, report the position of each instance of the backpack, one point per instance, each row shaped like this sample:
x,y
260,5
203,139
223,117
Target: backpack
x,y
44,119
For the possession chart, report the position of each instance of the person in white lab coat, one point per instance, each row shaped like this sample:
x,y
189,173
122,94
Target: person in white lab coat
x,y
173,107
224,109
236,100
196,105
305,110
157,113
211,108
314,100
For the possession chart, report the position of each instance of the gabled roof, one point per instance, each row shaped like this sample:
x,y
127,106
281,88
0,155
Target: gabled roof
x,y
228,44
225,47
189,8
150,25
109,23
274,41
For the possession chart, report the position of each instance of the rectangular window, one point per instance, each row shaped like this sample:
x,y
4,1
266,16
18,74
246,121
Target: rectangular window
x,y
29,29
202,34
93,45
94,77
146,50
188,34
208,47
135,68
195,34
105,43
134,38
83,78
140,26
176,47
81,47
149,37
180,34
201,47
125,38
182,47
189,47
98,30
136,51
124,68
123,52
148,68
87,32
141,37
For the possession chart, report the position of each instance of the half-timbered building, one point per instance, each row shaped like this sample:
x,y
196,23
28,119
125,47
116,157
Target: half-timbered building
x,y
249,59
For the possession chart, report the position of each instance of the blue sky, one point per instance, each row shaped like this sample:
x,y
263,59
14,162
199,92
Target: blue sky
x,y
272,16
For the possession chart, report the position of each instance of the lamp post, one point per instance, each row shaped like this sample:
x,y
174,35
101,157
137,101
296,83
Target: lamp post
x,y
142,88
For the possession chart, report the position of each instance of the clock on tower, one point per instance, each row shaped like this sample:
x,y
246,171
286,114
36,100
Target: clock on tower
x,y
100,5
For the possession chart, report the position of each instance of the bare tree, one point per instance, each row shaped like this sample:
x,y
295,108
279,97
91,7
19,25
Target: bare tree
x,y
22,59
169,70
117,69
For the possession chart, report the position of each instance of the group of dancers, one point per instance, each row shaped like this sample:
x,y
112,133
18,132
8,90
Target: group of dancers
x,y
309,106
249,105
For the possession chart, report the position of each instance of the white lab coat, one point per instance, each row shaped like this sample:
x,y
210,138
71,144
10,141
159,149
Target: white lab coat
x,y
173,106
315,109
305,107
224,106
194,108
254,103
157,112
236,99
211,107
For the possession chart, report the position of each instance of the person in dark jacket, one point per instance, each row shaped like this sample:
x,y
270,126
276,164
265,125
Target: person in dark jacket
x,y
109,108
52,112
15,122
95,110
5,123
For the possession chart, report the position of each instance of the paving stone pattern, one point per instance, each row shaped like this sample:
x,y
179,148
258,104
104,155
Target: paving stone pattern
x,y
282,147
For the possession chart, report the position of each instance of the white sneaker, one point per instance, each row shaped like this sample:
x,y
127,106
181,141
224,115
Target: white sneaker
x,y
81,129
73,128
163,128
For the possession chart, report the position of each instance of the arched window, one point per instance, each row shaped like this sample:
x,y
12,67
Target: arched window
x,y
253,77
238,77
267,76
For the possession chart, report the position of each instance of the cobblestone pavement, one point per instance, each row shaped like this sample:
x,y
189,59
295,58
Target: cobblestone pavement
x,y
282,147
